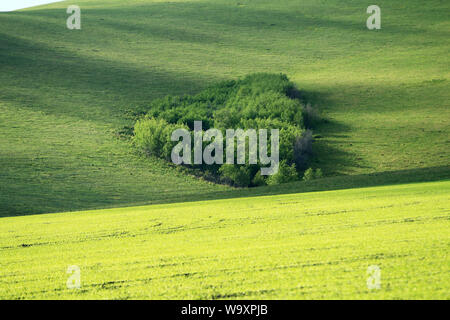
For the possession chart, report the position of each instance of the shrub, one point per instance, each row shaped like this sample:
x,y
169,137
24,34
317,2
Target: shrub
x,y
152,137
318,174
240,176
258,101
312,174
286,173
226,119
259,180
308,175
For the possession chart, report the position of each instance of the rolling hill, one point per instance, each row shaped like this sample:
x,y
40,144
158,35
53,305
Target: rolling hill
x,y
66,93
66,96
301,246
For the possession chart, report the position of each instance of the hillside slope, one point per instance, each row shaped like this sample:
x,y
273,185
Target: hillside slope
x,y
301,246
64,94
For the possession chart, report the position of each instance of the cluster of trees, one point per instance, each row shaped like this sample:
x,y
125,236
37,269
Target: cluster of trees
x,y
258,101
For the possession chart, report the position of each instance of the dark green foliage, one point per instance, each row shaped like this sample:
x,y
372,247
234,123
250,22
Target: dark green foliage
x,y
308,175
239,176
303,149
318,173
258,101
311,116
286,173
312,174
259,180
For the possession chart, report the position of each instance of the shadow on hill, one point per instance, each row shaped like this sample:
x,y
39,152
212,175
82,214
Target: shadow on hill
x,y
341,182
100,89
327,152
326,184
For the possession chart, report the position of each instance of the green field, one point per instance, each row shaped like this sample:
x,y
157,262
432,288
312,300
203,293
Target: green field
x,y
65,93
384,148
300,246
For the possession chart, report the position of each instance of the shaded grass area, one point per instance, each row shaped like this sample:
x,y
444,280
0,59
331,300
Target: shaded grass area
x,y
63,94
51,164
298,246
90,200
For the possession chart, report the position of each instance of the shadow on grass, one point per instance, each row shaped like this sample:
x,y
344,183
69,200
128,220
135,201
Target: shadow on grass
x,y
86,88
340,182
326,184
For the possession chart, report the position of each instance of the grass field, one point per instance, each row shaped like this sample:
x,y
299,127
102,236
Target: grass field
x,y
302,246
384,148
64,93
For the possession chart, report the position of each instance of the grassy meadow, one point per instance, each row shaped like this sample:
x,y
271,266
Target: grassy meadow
x,y
158,233
64,94
299,246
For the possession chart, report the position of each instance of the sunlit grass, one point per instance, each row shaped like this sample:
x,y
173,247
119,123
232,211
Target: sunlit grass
x,y
302,246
